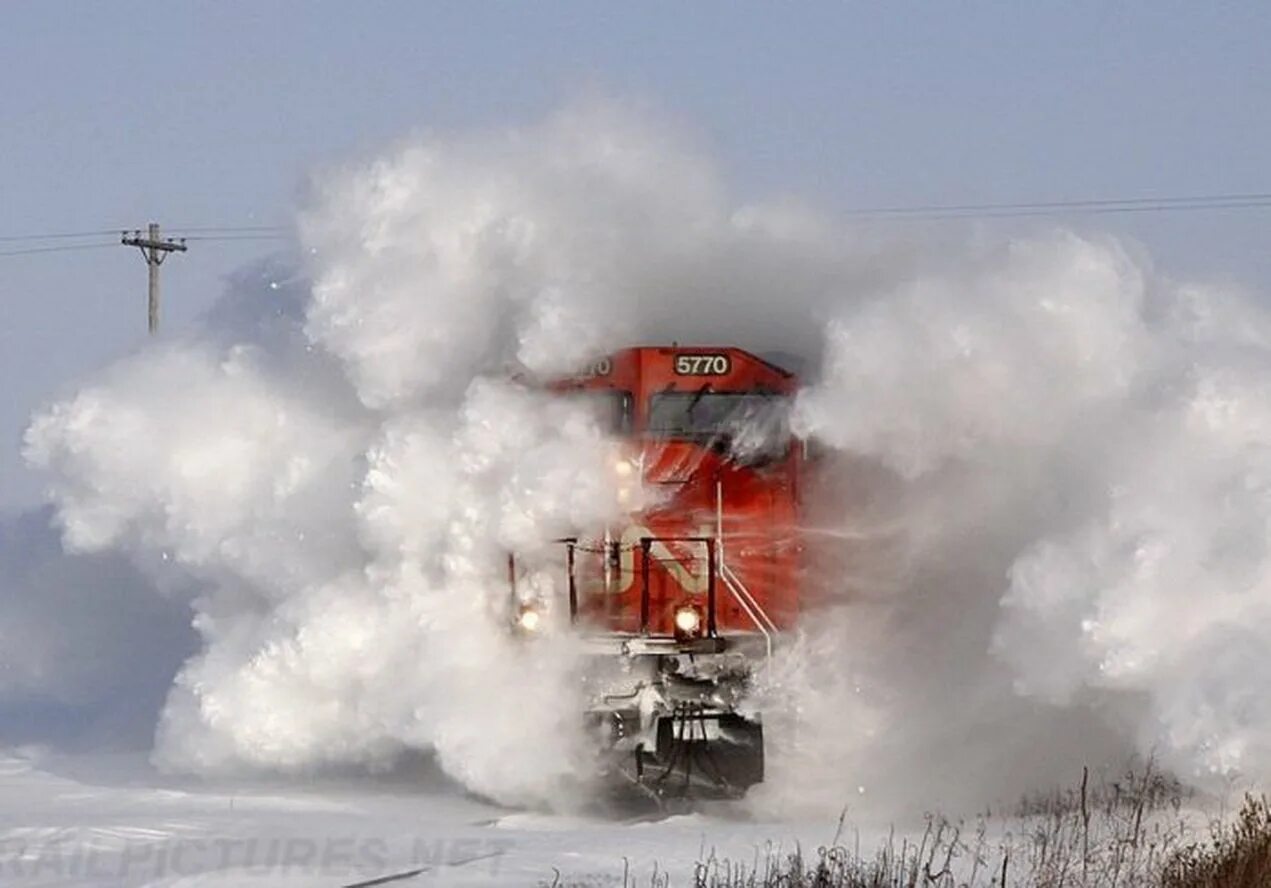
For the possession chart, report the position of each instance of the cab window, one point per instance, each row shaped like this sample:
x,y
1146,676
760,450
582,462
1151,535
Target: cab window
x,y
748,424
611,408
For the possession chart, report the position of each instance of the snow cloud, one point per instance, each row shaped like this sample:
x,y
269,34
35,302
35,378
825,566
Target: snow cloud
x,y
1037,533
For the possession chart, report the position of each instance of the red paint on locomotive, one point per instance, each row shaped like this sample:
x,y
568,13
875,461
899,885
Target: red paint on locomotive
x,y
705,430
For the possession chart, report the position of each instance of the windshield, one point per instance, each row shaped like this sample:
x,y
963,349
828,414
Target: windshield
x,y
611,408
748,424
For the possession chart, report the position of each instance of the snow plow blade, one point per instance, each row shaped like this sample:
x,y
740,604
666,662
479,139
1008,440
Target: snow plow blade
x,y
698,754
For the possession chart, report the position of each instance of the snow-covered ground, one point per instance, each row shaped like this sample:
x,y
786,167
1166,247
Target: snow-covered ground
x,y
111,820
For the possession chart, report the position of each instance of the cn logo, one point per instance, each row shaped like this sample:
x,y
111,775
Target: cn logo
x,y
689,574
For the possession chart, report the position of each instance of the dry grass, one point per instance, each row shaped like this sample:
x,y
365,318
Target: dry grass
x,y
1238,855
1129,832
1119,833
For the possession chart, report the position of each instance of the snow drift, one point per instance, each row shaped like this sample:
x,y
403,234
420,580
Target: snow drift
x,y
1041,512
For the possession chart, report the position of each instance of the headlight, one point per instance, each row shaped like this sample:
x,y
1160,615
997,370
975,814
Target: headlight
x,y
530,620
687,621
626,475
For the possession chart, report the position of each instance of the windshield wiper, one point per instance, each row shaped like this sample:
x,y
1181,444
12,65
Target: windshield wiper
x,y
697,398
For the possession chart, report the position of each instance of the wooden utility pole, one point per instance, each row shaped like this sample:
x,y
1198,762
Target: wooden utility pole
x,y
154,249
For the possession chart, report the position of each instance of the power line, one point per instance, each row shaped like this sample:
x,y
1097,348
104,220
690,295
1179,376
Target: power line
x,y
59,249
235,237
917,212
62,248
1100,211
1075,211
931,212
61,235
1074,204
98,232
228,228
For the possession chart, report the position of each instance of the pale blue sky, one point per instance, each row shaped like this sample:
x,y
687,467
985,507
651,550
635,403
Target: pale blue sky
x,y
118,112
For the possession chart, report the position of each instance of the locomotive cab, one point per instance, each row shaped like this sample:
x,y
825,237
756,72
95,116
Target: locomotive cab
x,y
684,599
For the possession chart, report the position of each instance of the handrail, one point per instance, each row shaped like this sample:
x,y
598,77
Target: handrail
x,y
646,559
739,588
609,551
717,566
741,597
747,601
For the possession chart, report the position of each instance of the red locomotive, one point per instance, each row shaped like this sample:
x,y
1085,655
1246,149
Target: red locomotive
x,y
684,600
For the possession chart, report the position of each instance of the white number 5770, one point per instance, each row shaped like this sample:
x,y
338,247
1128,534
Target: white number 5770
x,y
701,365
